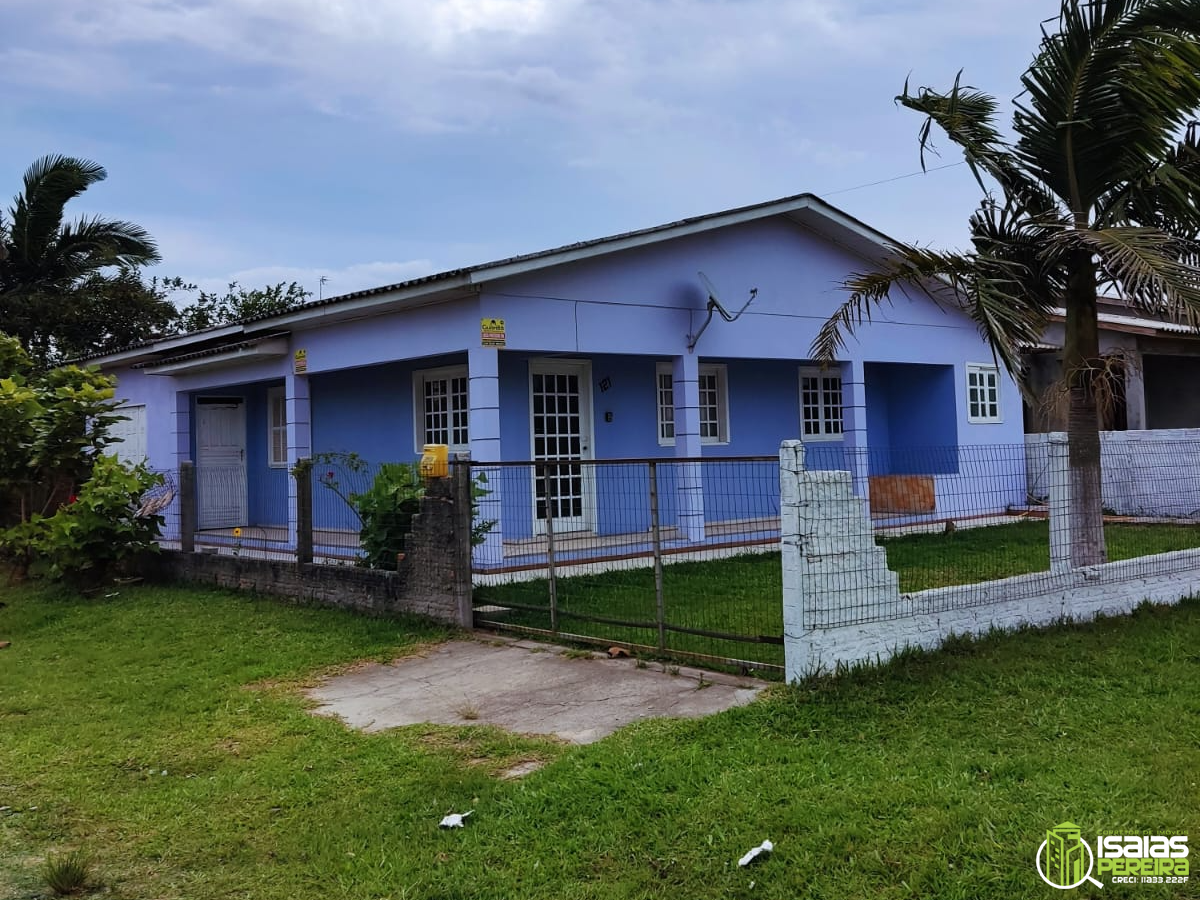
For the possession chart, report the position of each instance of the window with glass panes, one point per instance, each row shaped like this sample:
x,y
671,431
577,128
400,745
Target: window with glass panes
x,y
277,427
983,393
714,404
443,407
820,405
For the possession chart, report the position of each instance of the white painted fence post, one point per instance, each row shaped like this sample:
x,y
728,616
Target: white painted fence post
x,y
1059,476
795,642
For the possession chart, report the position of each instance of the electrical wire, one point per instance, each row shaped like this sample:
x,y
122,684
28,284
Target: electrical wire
x,y
859,187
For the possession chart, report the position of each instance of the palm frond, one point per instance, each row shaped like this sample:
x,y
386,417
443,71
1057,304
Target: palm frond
x,y
1166,195
37,213
1107,93
1007,285
1151,271
907,267
101,242
967,116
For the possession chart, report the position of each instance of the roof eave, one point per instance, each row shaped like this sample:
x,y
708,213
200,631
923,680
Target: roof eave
x,y
864,241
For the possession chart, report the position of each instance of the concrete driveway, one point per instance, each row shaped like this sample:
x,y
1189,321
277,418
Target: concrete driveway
x,y
526,687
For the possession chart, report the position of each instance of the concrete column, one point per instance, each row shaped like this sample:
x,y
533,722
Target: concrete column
x,y
854,425
689,476
1135,391
299,439
1058,471
483,372
181,429
796,646
834,575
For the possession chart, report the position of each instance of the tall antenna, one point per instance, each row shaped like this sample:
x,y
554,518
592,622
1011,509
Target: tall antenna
x,y
321,288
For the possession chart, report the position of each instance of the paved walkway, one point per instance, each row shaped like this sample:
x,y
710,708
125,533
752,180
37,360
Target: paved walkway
x,y
525,687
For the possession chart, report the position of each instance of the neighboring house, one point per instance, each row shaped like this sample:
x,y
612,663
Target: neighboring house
x,y
595,358
1153,387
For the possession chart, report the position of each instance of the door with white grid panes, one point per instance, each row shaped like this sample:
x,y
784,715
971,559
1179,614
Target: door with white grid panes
x,y
560,403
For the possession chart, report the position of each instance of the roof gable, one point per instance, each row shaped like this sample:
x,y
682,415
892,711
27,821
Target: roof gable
x,y
805,209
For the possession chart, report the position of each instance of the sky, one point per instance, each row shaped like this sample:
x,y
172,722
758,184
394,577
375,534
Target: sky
x,y
372,141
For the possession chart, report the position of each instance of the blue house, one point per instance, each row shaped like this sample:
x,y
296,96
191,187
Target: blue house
x,y
602,350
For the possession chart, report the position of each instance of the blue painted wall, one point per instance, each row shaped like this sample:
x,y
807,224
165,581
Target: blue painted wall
x,y
368,411
624,311
266,487
911,419
763,410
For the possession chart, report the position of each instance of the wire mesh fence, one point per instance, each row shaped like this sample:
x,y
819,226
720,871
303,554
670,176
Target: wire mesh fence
x,y
239,511
163,500
936,529
623,551
682,556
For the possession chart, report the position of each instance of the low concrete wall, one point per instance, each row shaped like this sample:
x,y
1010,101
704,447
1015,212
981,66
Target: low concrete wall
x,y
842,605
433,579
1080,595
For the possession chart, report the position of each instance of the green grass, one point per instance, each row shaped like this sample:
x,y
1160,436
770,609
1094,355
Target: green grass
x,y
740,595
161,733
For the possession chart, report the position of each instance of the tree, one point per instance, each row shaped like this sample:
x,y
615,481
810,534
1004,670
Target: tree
x,y
237,303
106,312
67,510
45,259
1099,190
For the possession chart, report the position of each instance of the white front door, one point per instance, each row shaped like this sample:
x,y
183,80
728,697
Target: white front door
x,y
560,402
220,462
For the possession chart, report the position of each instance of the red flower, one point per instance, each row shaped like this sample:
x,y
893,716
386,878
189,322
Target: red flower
x,y
72,499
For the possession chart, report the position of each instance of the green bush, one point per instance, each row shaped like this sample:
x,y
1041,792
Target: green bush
x,y
387,510
88,539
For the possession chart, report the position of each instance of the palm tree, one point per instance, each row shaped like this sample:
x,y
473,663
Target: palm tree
x,y
42,257
1098,191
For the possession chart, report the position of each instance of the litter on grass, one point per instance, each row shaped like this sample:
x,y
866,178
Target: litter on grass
x,y
454,820
761,850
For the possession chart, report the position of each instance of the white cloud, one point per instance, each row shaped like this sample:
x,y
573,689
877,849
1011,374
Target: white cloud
x,y
466,64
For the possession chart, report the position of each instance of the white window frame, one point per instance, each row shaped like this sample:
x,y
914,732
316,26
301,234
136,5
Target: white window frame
x,y
664,394
983,401
825,420
277,425
135,414
443,373
665,418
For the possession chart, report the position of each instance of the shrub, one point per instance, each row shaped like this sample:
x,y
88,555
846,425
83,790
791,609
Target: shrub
x,y
387,510
68,873
89,537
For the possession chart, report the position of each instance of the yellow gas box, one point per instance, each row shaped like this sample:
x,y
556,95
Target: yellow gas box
x,y
435,461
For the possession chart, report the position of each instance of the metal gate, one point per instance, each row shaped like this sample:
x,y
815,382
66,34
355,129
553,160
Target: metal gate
x,y
634,570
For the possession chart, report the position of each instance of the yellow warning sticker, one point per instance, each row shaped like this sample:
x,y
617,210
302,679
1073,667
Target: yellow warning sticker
x,y
491,333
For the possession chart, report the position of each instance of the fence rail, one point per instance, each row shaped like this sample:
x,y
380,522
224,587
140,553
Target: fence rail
x,y
682,556
616,551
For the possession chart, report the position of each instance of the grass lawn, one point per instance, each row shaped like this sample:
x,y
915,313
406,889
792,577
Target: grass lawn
x,y
162,732
741,595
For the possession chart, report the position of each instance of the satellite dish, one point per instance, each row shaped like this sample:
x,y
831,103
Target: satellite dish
x,y
715,305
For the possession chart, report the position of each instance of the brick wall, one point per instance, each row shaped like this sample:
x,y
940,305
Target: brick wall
x,y
433,579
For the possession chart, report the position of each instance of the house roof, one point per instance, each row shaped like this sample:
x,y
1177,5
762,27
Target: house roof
x,y
1135,324
807,210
